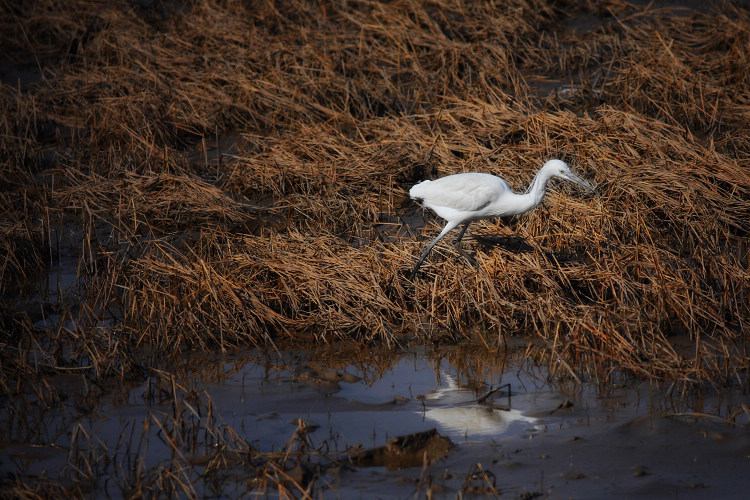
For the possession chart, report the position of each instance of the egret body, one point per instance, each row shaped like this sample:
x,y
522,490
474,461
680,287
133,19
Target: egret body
x,y
464,198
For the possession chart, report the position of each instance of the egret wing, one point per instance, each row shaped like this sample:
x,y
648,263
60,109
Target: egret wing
x,y
467,192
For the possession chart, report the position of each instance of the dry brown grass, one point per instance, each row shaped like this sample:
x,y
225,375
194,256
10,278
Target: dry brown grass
x,y
299,233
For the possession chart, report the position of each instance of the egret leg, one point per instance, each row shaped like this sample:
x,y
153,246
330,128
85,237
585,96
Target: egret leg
x,y
461,250
461,234
446,229
466,255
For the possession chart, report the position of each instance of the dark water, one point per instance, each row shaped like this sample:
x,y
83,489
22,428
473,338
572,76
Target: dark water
x,y
556,439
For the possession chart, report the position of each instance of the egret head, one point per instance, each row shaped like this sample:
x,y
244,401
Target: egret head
x,y
559,168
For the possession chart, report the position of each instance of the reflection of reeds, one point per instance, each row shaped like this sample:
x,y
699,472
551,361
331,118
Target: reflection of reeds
x,y
339,111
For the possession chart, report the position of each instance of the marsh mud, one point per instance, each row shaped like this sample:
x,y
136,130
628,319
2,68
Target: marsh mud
x,y
369,424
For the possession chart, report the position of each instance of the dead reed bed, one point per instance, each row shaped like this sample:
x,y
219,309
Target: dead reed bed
x,y
304,232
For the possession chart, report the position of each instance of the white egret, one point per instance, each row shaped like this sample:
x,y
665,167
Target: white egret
x,y
464,198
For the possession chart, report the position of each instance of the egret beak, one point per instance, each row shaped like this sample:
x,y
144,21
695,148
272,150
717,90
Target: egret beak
x,y
581,182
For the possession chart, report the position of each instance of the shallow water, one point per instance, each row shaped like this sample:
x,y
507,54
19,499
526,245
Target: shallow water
x,y
557,439
414,394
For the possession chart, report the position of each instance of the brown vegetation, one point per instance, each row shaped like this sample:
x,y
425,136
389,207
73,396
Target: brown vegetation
x,y
233,174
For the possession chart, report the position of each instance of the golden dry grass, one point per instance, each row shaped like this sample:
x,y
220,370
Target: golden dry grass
x,y
299,233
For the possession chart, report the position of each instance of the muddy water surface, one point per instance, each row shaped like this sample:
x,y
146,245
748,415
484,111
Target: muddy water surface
x,y
542,438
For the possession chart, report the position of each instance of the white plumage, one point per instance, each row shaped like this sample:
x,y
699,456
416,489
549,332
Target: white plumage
x,y
464,198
